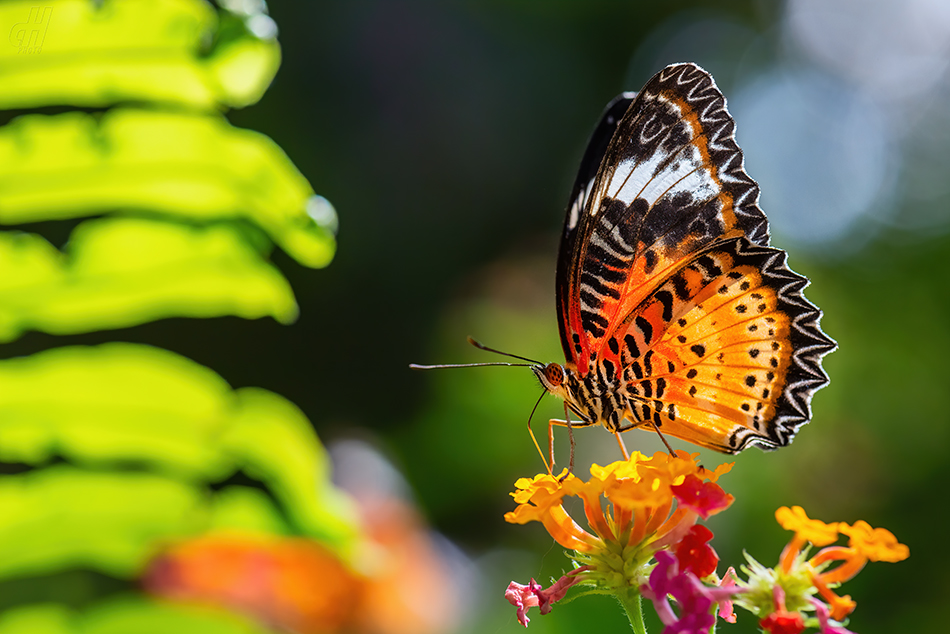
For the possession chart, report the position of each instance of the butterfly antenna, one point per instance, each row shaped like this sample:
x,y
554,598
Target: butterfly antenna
x,y
416,366
482,346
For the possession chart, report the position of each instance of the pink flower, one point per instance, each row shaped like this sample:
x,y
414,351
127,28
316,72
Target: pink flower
x,y
694,599
533,595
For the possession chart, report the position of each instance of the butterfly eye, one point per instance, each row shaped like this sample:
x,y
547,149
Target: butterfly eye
x,y
554,374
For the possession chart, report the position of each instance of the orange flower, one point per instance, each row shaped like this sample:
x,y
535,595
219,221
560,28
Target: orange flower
x,y
640,495
650,503
799,578
295,584
288,583
865,544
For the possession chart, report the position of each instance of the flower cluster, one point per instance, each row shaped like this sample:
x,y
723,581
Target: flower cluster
x,y
784,597
643,540
633,509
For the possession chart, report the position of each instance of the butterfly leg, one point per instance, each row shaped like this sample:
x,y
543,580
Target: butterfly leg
x,y
570,434
623,447
641,423
571,426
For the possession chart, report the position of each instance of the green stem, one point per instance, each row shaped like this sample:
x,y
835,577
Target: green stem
x,y
630,600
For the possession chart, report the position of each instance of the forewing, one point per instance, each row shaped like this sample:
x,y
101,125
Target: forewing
x,y
580,194
670,183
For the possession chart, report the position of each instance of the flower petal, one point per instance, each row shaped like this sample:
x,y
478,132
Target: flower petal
x,y
695,554
706,498
876,544
815,531
522,598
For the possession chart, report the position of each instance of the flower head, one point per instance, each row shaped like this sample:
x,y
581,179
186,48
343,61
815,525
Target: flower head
x,y
775,595
632,508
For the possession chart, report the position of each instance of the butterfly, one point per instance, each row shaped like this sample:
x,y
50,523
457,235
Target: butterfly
x,y
675,314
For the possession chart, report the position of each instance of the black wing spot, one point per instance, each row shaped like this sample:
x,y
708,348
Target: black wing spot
x,y
699,350
612,344
741,308
648,362
770,376
650,260
735,275
753,328
761,307
632,345
670,367
775,345
773,362
671,411
682,322
753,352
750,380
645,328
692,390
745,286
765,393
597,320
723,289
692,374
745,407
666,298
660,387
680,287
637,370
681,339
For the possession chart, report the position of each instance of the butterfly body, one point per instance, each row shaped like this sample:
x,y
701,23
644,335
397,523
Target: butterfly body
x,y
674,311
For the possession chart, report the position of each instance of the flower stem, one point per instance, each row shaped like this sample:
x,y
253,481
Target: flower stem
x,y
630,600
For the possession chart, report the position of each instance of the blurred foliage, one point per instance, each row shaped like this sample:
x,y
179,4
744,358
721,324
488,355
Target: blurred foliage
x,y
102,53
195,271
112,453
194,167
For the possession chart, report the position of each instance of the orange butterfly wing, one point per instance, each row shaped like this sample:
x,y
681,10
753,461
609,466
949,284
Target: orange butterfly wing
x,y
665,275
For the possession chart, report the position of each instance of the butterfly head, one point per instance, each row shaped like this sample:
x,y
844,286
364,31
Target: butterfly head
x,y
552,376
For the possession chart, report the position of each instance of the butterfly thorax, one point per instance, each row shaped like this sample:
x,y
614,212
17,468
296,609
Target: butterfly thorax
x,y
596,398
